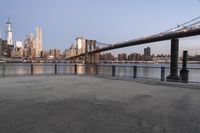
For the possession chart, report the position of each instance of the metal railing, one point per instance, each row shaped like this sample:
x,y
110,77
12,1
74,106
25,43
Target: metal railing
x,y
130,71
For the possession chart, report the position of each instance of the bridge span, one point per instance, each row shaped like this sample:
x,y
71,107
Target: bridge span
x,y
90,56
147,39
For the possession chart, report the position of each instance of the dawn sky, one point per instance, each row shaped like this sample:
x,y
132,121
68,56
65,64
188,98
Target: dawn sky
x,y
107,21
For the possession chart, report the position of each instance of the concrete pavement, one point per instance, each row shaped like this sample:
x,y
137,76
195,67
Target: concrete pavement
x,y
82,104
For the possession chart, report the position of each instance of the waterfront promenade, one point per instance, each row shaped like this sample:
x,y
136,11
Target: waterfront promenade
x,y
83,104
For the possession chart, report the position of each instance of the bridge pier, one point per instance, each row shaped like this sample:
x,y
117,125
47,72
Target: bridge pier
x,y
174,61
90,58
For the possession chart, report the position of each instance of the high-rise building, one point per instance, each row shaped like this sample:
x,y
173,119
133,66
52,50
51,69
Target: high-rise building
x,y
147,53
9,34
38,42
29,44
80,42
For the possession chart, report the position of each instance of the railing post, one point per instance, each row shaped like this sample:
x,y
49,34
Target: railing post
x,y
55,69
4,70
113,71
96,69
134,72
75,69
162,74
31,69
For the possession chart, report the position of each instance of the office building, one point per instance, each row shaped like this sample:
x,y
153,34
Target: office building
x,y
38,42
147,54
134,57
80,45
9,34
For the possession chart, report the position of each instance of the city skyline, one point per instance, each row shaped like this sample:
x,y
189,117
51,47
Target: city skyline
x,y
138,19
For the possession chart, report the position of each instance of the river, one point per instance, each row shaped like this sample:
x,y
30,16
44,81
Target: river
x,y
152,71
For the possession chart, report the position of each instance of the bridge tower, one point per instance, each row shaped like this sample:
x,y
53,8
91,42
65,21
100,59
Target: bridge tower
x,y
174,61
90,58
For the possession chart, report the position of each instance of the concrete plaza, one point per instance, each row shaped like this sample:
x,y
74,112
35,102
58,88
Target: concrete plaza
x,y
83,104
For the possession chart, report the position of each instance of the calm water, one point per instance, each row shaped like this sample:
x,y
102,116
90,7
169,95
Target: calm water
x,y
144,70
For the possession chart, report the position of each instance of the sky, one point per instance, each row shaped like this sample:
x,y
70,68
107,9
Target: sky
x,y
107,21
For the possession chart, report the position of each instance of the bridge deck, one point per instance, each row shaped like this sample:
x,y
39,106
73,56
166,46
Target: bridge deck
x,y
147,39
75,104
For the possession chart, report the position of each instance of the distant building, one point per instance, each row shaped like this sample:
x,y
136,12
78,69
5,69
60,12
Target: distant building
x,y
122,57
17,53
29,45
29,41
25,52
5,49
107,56
9,34
69,53
80,45
44,54
38,42
147,54
19,44
55,53
134,57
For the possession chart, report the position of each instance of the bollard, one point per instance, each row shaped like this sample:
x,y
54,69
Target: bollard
x,y
31,69
55,69
134,72
184,73
162,73
96,69
113,71
75,69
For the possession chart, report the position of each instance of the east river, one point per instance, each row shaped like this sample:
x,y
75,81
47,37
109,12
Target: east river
x,y
152,71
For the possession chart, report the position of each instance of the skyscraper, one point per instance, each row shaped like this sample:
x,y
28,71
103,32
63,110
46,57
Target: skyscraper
x,y
9,35
147,53
38,42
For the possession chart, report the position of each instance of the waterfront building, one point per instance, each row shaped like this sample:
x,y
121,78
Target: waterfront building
x,y
29,45
38,42
55,53
107,56
9,34
147,54
44,54
29,41
17,53
72,51
25,52
5,49
122,57
134,57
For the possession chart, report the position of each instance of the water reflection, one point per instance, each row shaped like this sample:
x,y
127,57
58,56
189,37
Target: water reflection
x,y
127,70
